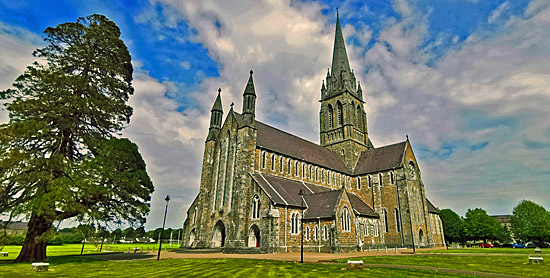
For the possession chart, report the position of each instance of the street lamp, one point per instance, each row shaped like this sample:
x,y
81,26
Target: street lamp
x,y
301,193
167,199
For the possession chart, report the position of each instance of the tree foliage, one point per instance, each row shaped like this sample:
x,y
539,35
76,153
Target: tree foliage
x,y
478,225
531,222
58,154
453,225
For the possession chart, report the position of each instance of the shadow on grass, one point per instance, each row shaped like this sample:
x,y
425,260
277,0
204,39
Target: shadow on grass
x,y
87,258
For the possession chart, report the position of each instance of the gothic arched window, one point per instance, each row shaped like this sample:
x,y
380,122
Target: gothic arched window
x,y
346,220
272,162
330,116
281,164
385,221
392,177
263,160
289,163
294,219
296,168
397,220
256,207
307,233
380,179
359,118
339,114
358,183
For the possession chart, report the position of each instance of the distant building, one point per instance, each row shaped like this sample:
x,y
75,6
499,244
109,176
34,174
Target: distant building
x,y
15,228
355,195
505,220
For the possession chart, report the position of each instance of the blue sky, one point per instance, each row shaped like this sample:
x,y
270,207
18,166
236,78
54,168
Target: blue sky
x,y
467,80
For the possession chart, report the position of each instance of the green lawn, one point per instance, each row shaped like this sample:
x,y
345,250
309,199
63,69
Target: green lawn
x,y
74,249
490,250
514,265
64,263
205,268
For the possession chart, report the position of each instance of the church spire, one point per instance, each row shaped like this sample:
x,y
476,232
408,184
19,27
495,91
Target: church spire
x,y
340,63
249,101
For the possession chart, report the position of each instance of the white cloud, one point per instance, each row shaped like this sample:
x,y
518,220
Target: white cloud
x,y
497,12
185,65
16,47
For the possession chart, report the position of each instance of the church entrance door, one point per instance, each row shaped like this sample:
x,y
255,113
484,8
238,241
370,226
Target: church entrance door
x,y
218,235
254,236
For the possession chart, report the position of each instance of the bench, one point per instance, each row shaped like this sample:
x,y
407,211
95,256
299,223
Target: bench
x,y
355,265
537,250
136,249
535,260
40,266
5,254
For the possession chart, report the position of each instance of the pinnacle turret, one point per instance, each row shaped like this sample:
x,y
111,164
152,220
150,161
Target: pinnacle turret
x,y
249,101
216,114
218,103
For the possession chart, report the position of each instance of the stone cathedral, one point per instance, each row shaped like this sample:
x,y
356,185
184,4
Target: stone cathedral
x,y
259,184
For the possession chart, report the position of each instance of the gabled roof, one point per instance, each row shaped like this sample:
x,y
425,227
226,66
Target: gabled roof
x,y
322,205
431,207
283,191
379,159
279,141
360,207
320,201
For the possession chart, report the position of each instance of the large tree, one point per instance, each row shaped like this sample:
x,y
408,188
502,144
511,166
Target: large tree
x,y
453,225
531,221
59,152
478,225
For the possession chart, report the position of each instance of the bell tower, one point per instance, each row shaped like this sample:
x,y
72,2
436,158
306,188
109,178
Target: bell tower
x,y
342,117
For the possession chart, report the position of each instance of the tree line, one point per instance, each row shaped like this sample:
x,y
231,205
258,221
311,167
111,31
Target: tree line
x,y
529,222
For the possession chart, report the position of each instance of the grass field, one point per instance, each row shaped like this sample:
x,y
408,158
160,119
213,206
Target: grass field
x,y
488,251
64,263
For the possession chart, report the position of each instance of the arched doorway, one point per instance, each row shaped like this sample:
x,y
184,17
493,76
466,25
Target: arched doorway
x,y
421,237
218,235
191,237
254,236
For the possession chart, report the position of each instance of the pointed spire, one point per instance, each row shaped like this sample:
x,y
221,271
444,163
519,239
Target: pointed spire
x,y
359,90
323,88
339,55
218,103
249,90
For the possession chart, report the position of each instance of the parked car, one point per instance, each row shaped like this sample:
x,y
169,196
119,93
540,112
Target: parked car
x,y
536,244
486,245
515,245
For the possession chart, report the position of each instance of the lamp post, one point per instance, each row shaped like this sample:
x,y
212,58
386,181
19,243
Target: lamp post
x,y
167,199
301,193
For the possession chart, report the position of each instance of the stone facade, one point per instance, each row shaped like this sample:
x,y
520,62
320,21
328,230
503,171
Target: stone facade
x,y
260,184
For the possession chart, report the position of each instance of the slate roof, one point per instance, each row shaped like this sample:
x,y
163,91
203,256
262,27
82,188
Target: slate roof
x,y
360,207
380,159
431,207
284,191
322,205
279,141
320,201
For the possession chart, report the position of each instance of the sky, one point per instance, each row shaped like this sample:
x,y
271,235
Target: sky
x,y
467,80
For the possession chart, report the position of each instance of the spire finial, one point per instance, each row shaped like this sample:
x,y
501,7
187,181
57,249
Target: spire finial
x,y
337,15
231,105
219,90
251,72
406,135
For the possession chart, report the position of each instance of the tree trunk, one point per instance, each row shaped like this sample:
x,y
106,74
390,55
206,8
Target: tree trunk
x,y
34,247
